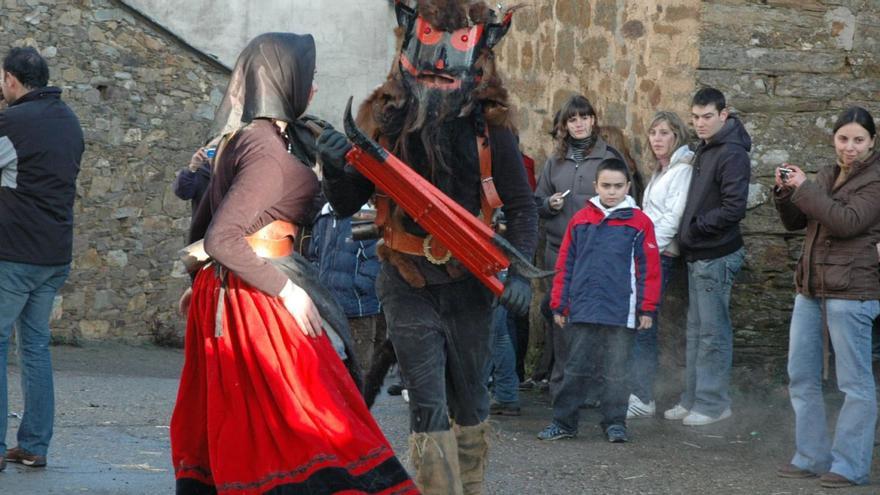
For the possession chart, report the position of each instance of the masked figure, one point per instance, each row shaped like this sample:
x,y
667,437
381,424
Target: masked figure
x,y
443,111
265,404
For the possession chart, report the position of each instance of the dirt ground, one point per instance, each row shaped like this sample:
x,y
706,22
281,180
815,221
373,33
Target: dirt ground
x,y
114,402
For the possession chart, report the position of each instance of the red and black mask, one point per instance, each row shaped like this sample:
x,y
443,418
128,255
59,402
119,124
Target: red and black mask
x,y
438,64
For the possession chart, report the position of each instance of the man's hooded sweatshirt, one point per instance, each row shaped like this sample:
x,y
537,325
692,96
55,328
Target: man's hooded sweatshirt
x,y
718,194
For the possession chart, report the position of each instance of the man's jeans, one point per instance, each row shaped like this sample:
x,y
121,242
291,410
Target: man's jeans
x,y
502,366
595,350
26,296
849,324
709,334
644,358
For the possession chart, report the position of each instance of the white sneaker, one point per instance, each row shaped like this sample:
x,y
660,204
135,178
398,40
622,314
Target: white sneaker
x,y
405,394
638,409
697,419
677,413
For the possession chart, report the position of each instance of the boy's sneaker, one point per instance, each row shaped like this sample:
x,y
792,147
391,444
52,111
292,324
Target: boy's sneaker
x,y
697,419
504,409
677,413
555,432
638,409
616,434
21,456
395,389
527,384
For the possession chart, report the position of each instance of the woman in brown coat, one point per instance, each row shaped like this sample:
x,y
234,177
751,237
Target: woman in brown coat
x,y
838,284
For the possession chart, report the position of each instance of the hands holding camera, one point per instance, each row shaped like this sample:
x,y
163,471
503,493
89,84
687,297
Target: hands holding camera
x,y
789,176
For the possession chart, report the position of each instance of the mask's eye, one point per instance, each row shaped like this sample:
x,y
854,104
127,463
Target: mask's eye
x,y
466,39
427,34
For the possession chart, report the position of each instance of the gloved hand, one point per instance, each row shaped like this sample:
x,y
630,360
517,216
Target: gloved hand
x,y
517,295
332,146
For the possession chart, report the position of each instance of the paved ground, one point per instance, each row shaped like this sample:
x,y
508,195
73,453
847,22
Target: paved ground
x,y
114,402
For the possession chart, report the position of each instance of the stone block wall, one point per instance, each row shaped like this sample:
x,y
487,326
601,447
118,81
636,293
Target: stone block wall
x,y
629,58
145,103
789,68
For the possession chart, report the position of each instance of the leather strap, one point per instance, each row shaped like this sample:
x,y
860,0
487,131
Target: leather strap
x,y
397,238
275,240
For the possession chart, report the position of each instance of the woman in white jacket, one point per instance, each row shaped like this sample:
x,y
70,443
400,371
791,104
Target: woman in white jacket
x,y
663,202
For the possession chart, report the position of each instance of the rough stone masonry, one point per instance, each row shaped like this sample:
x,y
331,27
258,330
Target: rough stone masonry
x,y
145,103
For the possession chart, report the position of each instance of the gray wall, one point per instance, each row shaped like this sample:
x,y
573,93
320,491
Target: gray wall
x,y
355,38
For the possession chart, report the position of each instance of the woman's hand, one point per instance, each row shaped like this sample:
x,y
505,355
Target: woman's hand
x,y
183,303
198,158
795,178
302,308
556,201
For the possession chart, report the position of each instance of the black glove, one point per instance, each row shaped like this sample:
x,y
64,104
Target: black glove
x,y
517,295
332,147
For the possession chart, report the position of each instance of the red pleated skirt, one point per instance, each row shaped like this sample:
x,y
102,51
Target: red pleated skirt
x,y
266,408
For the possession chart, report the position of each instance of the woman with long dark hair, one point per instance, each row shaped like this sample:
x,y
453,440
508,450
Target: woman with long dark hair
x,y
265,404
838,288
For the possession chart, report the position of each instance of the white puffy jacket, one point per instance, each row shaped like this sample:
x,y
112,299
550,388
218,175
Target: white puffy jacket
x,y
665,199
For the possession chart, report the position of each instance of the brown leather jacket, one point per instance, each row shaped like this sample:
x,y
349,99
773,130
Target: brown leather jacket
x,y
839,259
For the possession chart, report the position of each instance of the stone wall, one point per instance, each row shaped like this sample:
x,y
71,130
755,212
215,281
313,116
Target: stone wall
x,y
789,67
629,58
145,103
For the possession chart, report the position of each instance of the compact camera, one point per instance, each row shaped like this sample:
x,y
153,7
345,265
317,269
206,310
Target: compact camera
x,y
784,173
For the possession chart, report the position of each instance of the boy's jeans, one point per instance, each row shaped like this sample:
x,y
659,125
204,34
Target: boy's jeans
x,y
502,366
595,349
644,358
27,293
709,334
849,324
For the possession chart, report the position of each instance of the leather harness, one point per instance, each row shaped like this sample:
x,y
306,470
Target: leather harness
x,y
397,238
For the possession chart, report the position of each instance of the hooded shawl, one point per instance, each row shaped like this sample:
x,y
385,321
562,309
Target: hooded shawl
x,y
272,79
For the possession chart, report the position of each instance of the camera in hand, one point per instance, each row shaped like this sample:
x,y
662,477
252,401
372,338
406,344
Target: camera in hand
x,y
784,173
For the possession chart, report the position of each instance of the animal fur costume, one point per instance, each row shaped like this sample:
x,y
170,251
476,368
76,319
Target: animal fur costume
x,y
443,93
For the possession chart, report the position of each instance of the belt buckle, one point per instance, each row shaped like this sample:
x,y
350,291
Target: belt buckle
x,y
426,249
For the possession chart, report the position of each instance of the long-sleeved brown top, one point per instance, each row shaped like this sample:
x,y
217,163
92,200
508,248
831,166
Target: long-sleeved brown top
x,y
255,182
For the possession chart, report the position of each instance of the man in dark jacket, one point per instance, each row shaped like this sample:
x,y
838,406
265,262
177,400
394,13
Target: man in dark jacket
x,y
41,145
712,243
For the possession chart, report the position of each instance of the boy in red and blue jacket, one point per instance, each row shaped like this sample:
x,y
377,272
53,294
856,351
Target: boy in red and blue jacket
x,y
607,286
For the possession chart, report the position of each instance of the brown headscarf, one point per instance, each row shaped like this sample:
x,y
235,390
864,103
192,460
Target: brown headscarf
x,y
271,79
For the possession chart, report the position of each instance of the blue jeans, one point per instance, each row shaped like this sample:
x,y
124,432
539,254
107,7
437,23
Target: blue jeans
x,y
596,350
709,334
849,325
644,357
502,366
27,293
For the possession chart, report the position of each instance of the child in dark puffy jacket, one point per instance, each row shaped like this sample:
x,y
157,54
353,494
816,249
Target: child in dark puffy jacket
x,y
607,286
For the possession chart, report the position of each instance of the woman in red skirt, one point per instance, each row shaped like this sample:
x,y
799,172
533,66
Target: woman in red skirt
x,y
265,403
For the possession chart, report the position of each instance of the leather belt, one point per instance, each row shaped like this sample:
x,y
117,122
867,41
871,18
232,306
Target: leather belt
x,y
275,240
404,242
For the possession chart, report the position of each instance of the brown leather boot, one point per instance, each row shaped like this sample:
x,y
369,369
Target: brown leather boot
x,y
473,454
434,456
